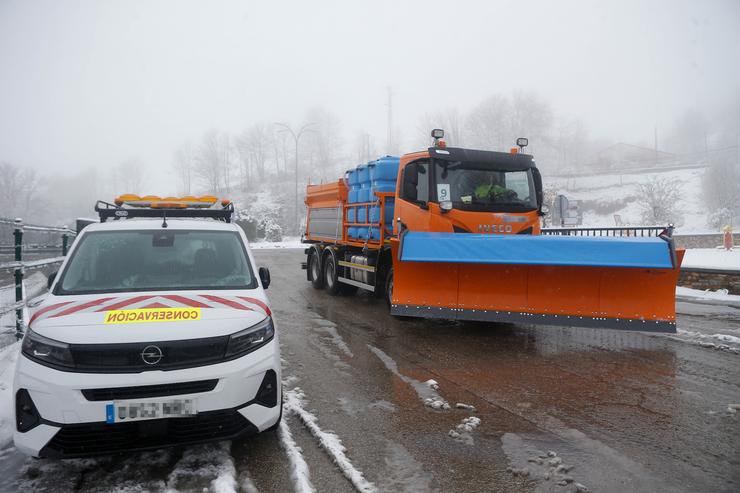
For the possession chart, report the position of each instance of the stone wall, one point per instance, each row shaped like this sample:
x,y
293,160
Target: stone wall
x,y
702,241
710,279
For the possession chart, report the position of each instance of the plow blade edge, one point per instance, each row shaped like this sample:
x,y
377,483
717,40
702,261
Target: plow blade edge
x,y
621,283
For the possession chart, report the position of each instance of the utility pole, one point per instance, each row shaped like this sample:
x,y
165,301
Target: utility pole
x,y
389,143
296,138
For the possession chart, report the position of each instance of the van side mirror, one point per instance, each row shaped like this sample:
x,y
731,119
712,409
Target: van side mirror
x,y
265,277
51,278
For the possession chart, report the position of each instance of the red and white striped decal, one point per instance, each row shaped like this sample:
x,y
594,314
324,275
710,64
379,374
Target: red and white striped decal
x,y
150,301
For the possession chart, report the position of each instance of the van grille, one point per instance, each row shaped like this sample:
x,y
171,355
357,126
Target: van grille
x,y
80,440
127,358
143,391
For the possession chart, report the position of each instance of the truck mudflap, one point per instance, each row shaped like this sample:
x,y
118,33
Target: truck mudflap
x,y
619,283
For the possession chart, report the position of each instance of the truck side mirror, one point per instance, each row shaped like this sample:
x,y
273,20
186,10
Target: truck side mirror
x,y
445,205
265,277
51,278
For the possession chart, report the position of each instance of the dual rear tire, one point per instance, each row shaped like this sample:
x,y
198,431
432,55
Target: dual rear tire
x,y
326,276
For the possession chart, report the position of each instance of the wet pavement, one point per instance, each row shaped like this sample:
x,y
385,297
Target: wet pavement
x,y
380,403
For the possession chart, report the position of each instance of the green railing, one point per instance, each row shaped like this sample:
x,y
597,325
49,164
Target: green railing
x,y
28,240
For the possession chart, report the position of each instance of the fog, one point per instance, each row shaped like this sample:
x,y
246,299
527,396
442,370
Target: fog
x,y
94,83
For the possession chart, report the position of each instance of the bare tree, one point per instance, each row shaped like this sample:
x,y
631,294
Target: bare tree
x,y
721,187
658,200
450,120
19,190
183,164
487,124
209,160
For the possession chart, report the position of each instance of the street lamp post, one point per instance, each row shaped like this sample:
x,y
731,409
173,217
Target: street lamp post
x,y
296,137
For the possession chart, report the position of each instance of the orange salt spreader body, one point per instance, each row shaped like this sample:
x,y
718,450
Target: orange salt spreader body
x,y
457,236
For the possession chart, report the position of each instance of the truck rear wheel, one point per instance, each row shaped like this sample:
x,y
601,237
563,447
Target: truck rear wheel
x,y
314,270
331,280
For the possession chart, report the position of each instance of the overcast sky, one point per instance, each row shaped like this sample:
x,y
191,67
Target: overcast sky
x,y
91,83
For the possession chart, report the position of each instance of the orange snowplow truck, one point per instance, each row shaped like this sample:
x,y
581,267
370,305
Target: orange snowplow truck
x,y
455,234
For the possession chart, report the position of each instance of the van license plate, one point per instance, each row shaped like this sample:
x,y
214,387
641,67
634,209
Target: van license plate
x,y
124,411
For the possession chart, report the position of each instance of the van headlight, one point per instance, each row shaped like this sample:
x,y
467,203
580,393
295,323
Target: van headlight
x,y
47,351
250,339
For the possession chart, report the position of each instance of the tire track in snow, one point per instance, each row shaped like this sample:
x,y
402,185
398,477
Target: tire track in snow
x,y
330,442
204,467
298,467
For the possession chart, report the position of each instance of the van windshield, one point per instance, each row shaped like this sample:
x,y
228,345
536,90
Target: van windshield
x,y
478,187
122,261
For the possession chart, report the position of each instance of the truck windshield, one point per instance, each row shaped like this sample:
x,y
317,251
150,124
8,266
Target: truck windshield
x,y
478,187
123,261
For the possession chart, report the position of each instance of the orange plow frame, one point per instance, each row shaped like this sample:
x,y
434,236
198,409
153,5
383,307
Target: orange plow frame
x,y
609,297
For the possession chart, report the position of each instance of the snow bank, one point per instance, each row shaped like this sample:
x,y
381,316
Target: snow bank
x,y
698,294
8,357
712,258
328,441
210,467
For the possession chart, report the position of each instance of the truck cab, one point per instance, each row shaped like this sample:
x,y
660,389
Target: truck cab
x,y
457,190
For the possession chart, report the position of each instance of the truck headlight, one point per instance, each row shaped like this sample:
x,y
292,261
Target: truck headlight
x,y
250,339
47,351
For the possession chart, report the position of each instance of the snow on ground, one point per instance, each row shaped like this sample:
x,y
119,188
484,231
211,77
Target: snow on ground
x,y
698,294
330,442
298,467
288,242
8,356
427,391
208,467
464,431
712,258
610,188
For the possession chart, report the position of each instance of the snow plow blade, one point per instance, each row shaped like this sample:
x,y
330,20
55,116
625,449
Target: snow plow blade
x,y
607,282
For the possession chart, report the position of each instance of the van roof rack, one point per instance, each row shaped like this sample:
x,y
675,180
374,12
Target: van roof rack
x,y
106,210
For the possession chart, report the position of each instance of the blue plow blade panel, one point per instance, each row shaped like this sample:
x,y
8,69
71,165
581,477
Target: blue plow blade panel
x,y
467,248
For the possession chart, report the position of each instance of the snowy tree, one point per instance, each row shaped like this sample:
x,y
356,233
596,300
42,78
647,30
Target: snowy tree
x,y
658,200
19,190
721,187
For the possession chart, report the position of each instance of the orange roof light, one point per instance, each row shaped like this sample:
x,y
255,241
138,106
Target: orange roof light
x,y
156,202
514,150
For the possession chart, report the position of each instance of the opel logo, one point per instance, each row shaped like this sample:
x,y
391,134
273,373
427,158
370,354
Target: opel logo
x,y
151,355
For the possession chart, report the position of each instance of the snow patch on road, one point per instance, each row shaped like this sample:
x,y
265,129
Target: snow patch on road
x,y
330,442
464,431
545,467
722,342
403,473
8,356
207,467
698,294
330,329
298,467
427,392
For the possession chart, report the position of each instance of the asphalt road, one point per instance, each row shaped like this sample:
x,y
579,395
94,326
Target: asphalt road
x,y
559,408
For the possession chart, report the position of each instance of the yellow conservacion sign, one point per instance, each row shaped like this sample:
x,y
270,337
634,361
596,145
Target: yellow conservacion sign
x,y
142,315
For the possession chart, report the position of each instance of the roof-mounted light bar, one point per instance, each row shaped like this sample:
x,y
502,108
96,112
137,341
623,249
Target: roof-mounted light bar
x,y
130,205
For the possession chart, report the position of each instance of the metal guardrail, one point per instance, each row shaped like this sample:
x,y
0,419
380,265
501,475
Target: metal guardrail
x,y
18,265
639,231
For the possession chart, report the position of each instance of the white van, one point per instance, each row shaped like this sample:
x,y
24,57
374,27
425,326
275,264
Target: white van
x,y
156,332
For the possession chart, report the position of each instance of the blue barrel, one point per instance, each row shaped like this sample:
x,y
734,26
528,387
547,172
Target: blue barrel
x,y
374,233
361,215
375,214
354,185
351,214
352,232
363,177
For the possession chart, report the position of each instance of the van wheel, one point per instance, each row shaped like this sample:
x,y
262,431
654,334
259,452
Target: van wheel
x,y
314,270
331,280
